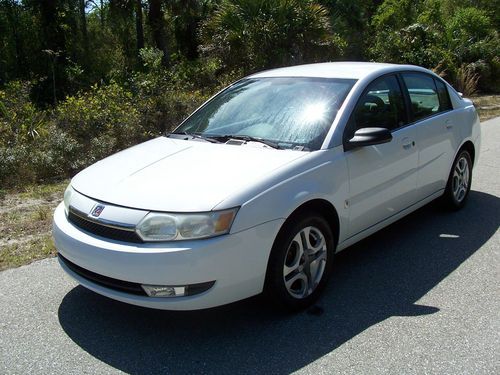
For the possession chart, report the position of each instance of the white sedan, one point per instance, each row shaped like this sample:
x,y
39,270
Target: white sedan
x,y
258,189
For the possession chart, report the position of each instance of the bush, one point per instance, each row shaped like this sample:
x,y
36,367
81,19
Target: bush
x,y
164,112
20,120
466,80
163,98
468,25
37,144
105,110
416,44
22,126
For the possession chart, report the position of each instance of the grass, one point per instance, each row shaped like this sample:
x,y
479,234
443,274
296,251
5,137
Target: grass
x,y
26,221
43,191
26,213
18,254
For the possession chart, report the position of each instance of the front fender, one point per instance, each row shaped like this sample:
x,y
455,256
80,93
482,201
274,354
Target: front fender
x,y
323,177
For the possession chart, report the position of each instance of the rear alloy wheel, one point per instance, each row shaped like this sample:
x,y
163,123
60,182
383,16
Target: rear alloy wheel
x,y
459,181
300,262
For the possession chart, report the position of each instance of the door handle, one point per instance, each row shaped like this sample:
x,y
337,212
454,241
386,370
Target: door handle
x,y
408,145
448,124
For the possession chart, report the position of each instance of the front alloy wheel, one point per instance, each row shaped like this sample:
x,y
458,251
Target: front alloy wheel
x,y
300,261
305,262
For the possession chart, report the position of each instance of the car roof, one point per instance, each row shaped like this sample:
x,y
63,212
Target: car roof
x,y
345,69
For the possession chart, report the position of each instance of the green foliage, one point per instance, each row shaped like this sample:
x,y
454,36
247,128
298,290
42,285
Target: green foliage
x,y
416,44
94,124
350,20
262,34
395,14
468,25
151,58
108,109
475,45
447,35
20,120
167,96
86,127
21,126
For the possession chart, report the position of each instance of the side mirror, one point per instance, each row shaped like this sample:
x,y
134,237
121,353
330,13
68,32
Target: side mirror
x,y
368,137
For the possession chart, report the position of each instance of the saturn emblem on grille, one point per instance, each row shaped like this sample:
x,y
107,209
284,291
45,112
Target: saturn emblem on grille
x,y
97,210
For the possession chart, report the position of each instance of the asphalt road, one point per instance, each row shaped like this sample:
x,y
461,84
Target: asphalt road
x,y
420,297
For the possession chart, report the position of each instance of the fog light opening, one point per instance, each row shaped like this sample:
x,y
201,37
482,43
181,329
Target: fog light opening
x,y
164,291
176,291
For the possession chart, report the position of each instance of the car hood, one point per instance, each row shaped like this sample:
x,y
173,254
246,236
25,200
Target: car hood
x,y
179,176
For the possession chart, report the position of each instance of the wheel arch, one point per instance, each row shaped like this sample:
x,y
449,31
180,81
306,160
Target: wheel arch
x,y
469,147
321,206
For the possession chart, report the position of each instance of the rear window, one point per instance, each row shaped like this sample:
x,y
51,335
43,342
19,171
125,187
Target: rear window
x,y
423,93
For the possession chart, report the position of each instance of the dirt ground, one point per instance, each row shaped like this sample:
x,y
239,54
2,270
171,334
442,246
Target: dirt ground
x,y
488,106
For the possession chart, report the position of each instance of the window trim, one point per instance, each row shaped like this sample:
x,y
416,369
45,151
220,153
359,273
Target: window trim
x,y
406,92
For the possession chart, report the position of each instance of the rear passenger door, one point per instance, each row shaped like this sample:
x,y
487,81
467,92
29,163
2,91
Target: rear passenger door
x,y
430,109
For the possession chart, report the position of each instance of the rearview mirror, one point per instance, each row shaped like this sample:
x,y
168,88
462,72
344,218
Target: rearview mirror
x,y
368,137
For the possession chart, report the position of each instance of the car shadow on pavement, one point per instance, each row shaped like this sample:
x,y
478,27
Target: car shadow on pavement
x,y
380,277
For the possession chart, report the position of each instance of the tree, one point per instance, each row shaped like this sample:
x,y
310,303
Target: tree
x,y
264,34
83,25
187,17
156,23
351,20
12,46
139,30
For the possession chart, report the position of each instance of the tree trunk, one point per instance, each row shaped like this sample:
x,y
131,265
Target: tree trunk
x,y
138,25
155,18
53,36
83,25
186,27
54,46
20,69
101,12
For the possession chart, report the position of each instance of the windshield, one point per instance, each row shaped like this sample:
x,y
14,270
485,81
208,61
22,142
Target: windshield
x,y
291,112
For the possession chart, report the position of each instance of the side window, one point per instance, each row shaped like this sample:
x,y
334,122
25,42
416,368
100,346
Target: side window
x,y
380,106
444,97
423,95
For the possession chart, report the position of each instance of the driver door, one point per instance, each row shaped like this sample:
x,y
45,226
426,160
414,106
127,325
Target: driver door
x,y
382,178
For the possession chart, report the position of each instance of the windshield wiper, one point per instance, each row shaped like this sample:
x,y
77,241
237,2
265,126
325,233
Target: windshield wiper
x,y
195,135
249,138
218,138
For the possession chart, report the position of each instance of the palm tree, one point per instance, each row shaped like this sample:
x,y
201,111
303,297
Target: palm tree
x,y
260,34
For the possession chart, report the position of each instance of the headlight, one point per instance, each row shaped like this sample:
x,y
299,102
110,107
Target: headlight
x,y
173,227
67,197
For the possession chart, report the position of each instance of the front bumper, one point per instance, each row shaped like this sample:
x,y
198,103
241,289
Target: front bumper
x,y
236,262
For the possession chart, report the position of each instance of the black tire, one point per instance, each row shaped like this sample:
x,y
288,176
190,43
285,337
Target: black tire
x,y
284,249
451,199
